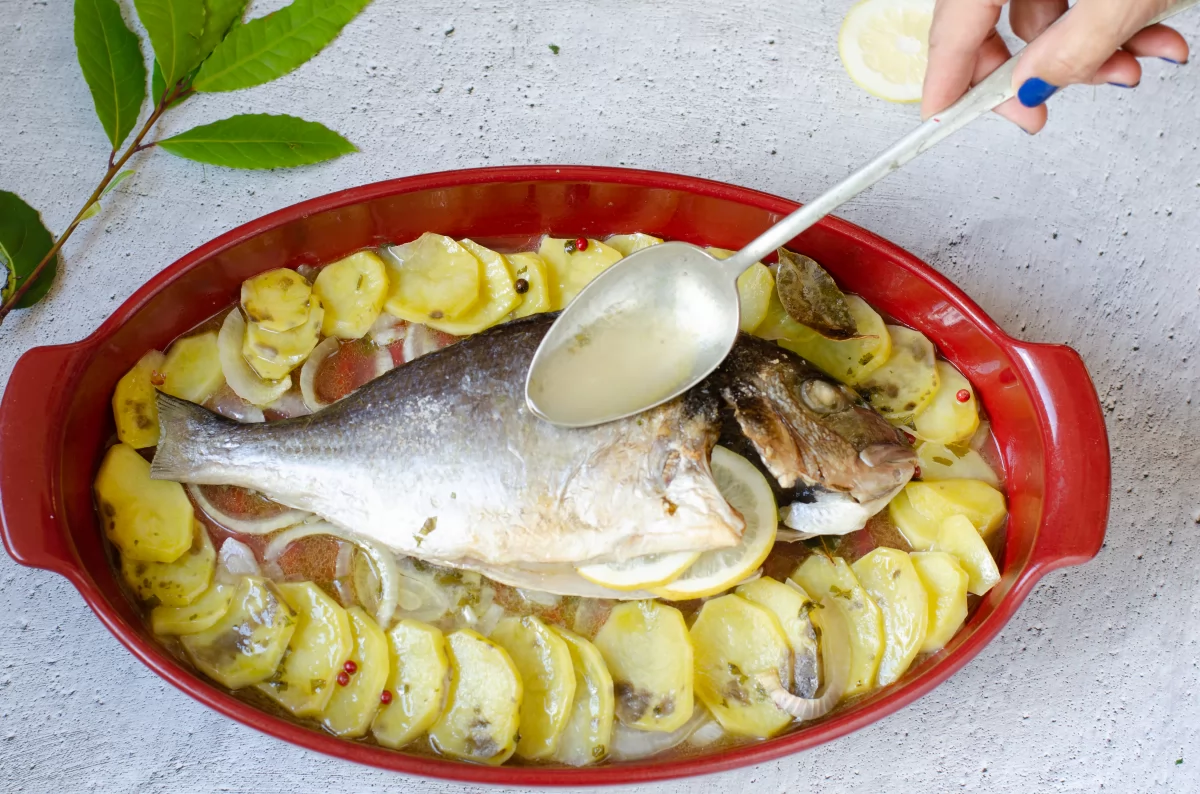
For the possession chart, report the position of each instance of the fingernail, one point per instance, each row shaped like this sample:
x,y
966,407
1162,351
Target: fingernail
x,y
1124,85
1034,91
1172,60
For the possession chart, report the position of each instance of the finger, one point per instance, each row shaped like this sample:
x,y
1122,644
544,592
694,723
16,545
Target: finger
x,y
1121,69
959,29
992,54
1073,49
1030,18
1159,41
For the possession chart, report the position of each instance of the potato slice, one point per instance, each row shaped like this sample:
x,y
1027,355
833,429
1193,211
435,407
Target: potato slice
x,y
497,295
544,661
833,583
791,607
970,550
848,360
432,278
628,243
906,383
945,584
940,462
417,681
919,530
352,707
588,733
148,520
481,718
890,579
247,643
756,287
646,647
570,272
272,355
277,300
242,380
353,291
946,419
178,583
978,501
321,644
736,642
134,408
197,616
531,269
192,370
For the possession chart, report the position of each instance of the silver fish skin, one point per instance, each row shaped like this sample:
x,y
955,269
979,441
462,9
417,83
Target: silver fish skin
x,y
440,459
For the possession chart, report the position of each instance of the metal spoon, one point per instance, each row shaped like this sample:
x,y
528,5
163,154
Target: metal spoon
x,y
661,320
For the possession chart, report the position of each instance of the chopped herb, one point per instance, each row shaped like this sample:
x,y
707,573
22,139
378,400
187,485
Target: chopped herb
x,y
1178,762
429,526
554,48
838,592
943,461
316,683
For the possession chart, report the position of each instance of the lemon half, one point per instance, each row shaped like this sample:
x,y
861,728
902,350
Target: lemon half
x,y
884,46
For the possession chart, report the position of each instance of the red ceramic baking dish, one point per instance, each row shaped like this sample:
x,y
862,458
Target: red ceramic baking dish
x,y
55,417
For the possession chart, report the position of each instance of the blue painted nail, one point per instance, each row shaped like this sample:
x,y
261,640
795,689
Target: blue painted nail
x,y
1169,60
1123,85
1034,92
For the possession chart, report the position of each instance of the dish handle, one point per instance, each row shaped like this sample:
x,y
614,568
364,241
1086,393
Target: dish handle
x,y
31,441
1078,469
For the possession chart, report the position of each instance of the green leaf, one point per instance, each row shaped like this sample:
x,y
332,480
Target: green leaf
x,y
219,17
24,240
94,208
158,86
111,59
259,141
271,46
175,27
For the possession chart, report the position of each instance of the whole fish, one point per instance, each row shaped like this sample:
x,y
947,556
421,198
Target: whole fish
x,y
440,458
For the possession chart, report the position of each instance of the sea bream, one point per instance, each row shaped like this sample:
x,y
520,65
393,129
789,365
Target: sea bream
x,y
440,459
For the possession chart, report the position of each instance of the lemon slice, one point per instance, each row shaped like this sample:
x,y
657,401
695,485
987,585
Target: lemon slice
x,y
639,573
884,46
744,487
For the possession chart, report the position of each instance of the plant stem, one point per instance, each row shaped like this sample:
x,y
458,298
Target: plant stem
x,y
113,169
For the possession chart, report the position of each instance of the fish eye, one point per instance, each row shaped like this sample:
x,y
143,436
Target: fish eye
x,y
823,397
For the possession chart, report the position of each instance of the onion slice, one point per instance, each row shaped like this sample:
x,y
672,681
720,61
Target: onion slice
x,y
243,380
258,526
383,361
630,744
835,670
308,373
234,561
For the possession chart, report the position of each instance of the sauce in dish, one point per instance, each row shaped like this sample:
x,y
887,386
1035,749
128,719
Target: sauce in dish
x,y
331,500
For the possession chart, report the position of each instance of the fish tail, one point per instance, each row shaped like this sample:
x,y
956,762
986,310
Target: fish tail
x,y
186,432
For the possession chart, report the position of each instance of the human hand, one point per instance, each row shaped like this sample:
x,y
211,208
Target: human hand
x,y
1098,42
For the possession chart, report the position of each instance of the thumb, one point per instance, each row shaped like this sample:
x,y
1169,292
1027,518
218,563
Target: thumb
x,y
1078,44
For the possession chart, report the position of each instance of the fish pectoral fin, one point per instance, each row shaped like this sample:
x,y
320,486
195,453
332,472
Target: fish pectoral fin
x,y
784,452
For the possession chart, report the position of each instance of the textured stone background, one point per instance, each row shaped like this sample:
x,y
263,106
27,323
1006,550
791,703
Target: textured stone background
x,y
1085,234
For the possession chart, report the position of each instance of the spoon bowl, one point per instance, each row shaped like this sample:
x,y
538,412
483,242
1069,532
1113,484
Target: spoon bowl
x,y
643,332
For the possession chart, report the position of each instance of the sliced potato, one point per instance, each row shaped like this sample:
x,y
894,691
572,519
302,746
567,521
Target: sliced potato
x,y
417,682
177,583
272,355
319,647
945,584
243,380
978,501
960,538
192,370
571,272
498,295
735,642
351,708
353,291
756,287
628,243
919,530
134,408
196,616
946,419
544,661
646,647
833,583
247,643
481,718
791,607
848,360
906,383
939,462
277,300
432,278
588,732
148,520
537,297
890,579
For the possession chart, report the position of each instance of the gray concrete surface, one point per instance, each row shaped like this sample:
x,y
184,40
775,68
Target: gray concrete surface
x,y
1085,234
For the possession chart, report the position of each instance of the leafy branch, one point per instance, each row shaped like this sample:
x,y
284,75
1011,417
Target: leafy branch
x,y
200,46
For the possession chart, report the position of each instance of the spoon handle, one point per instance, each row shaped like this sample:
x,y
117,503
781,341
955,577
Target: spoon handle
x,y
984,97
